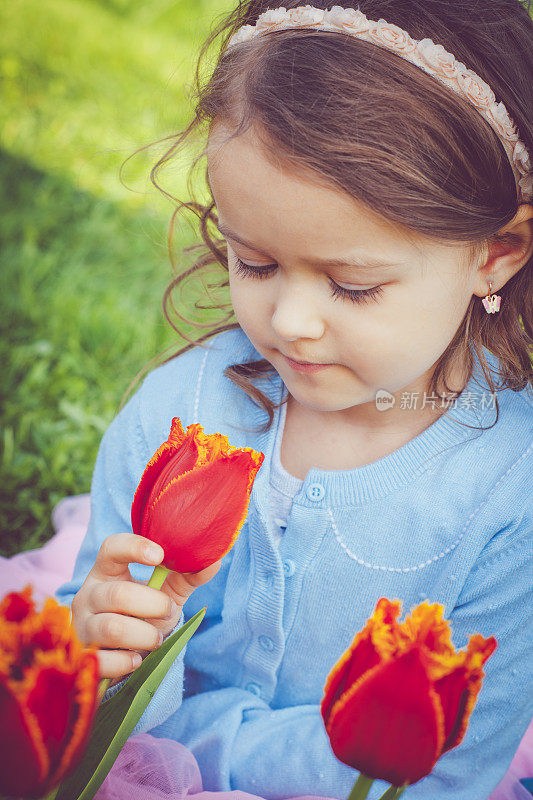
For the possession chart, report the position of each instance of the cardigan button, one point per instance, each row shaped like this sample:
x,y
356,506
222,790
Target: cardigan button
x,y
289,567
315,492
254,688
266,642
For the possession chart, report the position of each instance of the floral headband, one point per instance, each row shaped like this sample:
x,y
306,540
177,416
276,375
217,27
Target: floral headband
x,y
427,55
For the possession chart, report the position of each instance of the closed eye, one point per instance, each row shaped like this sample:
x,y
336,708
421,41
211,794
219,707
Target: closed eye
x,y
355,295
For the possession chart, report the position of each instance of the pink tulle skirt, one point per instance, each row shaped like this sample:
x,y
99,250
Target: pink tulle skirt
x,y
149,767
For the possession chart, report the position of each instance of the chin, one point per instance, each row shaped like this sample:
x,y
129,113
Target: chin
x,y
321,399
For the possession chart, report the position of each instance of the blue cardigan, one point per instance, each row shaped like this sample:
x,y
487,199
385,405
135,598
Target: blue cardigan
x,y
447,516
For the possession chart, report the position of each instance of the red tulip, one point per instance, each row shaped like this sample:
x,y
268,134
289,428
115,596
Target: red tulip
x,y
193,496
401,696
48,695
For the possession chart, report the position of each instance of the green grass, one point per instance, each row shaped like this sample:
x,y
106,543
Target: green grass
x,y
83,261
86,83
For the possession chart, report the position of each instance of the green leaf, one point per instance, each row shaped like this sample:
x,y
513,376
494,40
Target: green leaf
x,y
117,717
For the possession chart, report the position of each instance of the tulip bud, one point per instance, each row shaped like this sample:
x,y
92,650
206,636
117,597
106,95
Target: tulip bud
x,y
193,496
48,695
401,696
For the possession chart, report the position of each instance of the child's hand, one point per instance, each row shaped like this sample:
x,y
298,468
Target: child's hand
x,y
124,616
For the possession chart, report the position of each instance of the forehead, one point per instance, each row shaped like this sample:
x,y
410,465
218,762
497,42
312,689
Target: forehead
x,y
268,202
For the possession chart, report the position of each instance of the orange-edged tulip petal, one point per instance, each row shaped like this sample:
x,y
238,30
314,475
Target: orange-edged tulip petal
x,y
193,496
178,454
23,756
401,696
363,654
48,695
401,727
459,689
67,730
197,517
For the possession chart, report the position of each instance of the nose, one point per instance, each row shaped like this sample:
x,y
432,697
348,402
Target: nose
x,y
297,313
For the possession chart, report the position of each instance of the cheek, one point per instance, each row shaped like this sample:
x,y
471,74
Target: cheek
x,y
249,300
403,337
378,338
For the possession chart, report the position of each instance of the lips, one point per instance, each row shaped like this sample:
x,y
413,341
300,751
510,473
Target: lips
x,y
305,366
308,363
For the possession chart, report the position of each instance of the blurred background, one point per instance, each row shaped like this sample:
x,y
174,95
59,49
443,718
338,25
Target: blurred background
x,y
83,258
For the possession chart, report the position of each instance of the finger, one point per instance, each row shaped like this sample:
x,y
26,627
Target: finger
x,y
117,663
180,585
111,631
120,549
204,575
133,599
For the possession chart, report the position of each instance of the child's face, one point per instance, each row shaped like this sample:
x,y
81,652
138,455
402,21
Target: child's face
x,y
389,342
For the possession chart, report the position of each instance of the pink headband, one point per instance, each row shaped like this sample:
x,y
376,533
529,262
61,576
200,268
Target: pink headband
x,y
427,55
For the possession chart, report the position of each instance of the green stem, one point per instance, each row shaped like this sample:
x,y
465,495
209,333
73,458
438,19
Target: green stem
x,y
394,792
361,787
156,581
390,794
158,576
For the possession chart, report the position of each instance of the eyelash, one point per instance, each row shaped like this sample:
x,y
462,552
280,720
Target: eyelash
x,y
355,295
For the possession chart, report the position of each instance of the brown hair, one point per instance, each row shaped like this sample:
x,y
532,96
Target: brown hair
x,y
350,112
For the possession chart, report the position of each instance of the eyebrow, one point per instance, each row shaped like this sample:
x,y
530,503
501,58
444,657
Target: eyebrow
x,y
321,262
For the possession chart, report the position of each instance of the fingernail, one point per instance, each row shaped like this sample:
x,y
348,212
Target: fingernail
x,y
153,553
173,609
137,660
160,639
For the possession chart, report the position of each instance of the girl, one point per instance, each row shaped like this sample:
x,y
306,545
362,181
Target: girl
x,y
372,203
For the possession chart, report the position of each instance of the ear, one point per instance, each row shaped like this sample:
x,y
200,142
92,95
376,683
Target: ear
x,y
503,258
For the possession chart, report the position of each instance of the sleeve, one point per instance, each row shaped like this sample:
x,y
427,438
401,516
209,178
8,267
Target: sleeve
x,y
241,743
120,463
495,601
